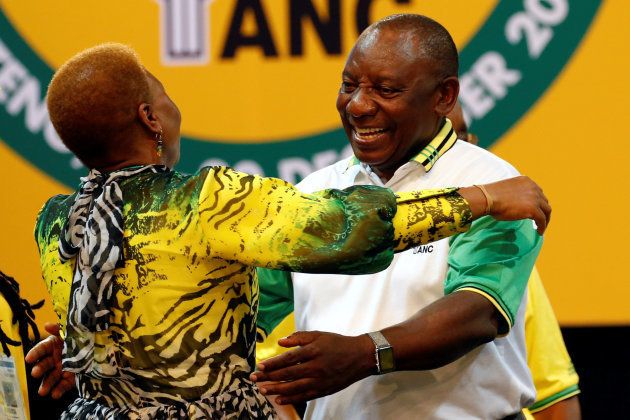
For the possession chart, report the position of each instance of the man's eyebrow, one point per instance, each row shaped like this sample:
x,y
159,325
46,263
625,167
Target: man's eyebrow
x,y
390,79
387,78
347,73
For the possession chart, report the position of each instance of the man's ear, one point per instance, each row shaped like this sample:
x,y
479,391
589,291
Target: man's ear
x,y
148,118
448,90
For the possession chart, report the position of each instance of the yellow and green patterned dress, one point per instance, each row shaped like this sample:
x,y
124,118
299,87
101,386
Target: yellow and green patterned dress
x,y
180,342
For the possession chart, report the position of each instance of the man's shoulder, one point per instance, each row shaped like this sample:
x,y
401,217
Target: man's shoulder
x,y
470,163
327,177
471,155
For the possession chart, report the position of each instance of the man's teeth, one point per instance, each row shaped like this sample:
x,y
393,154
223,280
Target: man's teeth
x,y
369,132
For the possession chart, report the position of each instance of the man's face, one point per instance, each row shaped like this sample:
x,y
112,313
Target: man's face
x,y
386,101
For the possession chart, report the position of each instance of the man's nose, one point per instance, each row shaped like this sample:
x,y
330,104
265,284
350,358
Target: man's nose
x,y
361,104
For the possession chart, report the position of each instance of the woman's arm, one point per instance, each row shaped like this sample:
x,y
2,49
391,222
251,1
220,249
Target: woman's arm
x,y
268,223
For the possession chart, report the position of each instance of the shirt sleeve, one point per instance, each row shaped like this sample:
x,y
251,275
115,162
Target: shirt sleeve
x,y
57,276
429,215
553,373
275,301
266,222
494,259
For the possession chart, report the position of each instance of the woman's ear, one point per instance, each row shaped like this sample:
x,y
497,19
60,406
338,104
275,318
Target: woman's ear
x,y
148,118
447,96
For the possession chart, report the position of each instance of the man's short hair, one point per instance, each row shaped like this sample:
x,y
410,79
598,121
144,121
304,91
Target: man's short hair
x,y
94,96
435,42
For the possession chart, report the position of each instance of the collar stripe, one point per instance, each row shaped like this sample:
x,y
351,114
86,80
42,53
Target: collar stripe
x,y
432,151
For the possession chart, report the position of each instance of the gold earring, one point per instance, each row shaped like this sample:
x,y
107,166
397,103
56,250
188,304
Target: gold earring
x,y
160,142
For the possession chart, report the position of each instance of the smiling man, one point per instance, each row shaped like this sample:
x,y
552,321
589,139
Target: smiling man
x,y
427,338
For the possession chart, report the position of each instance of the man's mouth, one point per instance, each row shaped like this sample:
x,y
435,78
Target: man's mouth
x,y
368,133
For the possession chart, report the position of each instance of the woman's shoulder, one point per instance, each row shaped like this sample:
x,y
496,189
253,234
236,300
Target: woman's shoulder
x,y
175,188
189,181
53,214
56,204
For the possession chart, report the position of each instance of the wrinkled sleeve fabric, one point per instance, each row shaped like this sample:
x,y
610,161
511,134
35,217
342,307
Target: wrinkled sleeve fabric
x,y
57,276
266,222
429,215
494,259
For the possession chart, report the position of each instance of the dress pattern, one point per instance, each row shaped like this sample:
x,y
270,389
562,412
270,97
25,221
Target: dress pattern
x,y
182,328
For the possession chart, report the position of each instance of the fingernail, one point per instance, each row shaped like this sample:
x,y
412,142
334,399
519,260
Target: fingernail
x,y
263,391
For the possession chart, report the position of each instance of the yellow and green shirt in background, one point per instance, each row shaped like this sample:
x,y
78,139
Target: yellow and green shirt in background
x,y
553,373
11,329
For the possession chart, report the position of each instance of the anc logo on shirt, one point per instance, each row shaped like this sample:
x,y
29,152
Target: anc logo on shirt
x,y
256,80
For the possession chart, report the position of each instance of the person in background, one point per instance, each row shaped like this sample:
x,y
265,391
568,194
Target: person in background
x,y
553,373
17,325
438,318
555,378
152,272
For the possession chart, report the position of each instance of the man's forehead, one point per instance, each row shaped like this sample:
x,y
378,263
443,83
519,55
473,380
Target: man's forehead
x,y
390,41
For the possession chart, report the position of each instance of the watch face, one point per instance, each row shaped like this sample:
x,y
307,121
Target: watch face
x,y
386,360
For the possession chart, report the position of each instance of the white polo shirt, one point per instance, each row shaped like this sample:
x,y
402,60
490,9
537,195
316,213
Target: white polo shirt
x,y
490,382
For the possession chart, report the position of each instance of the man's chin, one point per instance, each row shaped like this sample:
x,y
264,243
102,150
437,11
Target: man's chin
x,y
370,159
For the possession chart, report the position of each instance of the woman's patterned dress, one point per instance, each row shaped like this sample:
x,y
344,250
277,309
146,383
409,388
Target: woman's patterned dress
x,y
181,340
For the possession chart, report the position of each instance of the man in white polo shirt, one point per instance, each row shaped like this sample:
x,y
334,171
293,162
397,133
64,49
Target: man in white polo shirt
x,y
439,317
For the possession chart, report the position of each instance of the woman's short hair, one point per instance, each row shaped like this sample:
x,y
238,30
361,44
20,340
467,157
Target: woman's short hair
x,y
94,97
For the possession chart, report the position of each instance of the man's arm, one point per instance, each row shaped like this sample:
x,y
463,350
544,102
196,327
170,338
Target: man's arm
x,y
489,267
265,222
568,409
326,363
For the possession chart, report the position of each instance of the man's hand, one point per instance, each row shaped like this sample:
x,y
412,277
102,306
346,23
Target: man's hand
x,y
323,363
46,357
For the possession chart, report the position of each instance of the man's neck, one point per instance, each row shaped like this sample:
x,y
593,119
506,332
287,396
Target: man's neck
x,y
386,174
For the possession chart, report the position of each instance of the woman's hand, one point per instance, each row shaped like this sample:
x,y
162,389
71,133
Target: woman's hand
x,y
510,199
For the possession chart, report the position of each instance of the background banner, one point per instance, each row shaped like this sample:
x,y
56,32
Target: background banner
x,y
256,81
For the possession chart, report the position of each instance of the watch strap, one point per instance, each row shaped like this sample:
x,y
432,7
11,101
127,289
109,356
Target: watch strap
x,y
384,353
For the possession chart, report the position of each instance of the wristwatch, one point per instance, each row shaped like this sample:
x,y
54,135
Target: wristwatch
x,y
384,353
